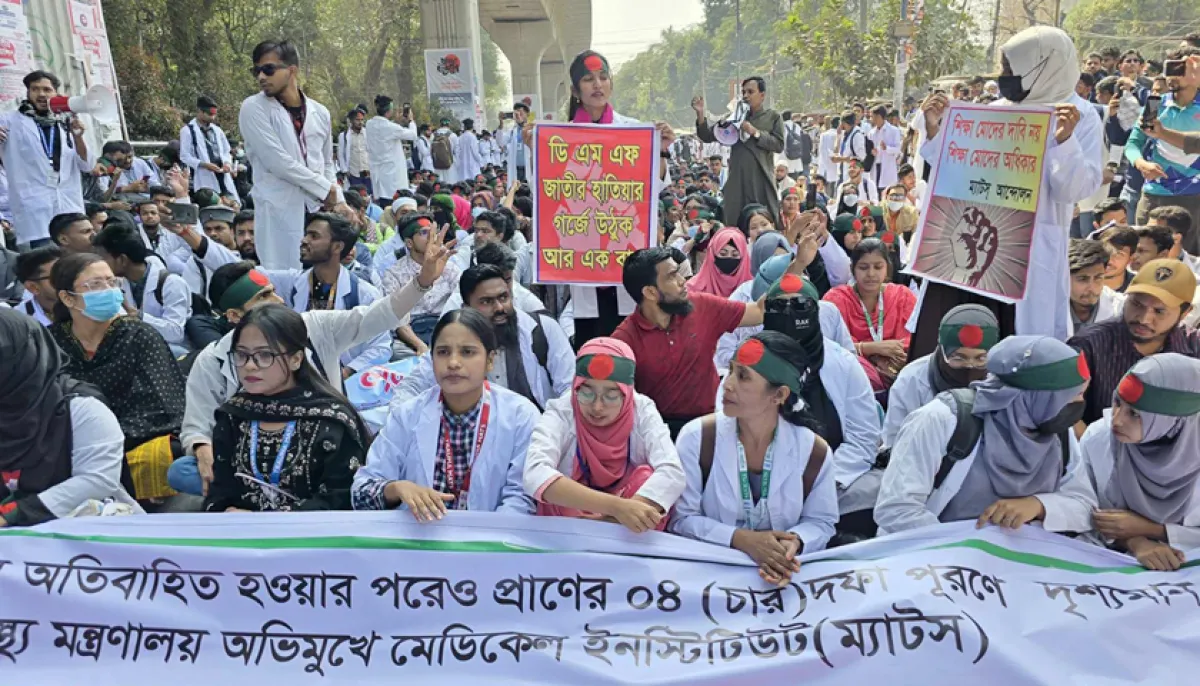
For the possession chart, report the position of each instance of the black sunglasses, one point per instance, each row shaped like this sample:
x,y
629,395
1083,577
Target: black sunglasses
x,y
268,69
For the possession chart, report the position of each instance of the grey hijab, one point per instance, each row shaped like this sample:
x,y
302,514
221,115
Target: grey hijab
x,y
1013,459
1157,477
764,249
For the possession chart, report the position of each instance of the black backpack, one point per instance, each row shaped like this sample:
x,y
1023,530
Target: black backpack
x,y
794,143
868,162
967,430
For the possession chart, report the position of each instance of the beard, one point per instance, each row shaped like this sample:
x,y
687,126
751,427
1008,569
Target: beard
x,y
676,308
508,333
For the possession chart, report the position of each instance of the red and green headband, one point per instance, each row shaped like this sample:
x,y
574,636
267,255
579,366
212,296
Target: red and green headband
x,y
772,367
243,290
1056,376
792,284
412,226
605,367
1156,399
954,336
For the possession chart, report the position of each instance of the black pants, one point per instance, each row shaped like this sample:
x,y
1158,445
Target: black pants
x,y
603,325
676,424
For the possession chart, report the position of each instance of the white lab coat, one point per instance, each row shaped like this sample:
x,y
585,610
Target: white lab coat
x,y
209,258
468,161
825,150
552,451
295,288
287,183
174,251
849,390
447,177
139,169
832,327
35,193
1109,306
523,299
213,380
909,392
883,174
854,144
907,499
385,148
1072,172
406,449
1084,490
193,152
713,511
422,147
169,316
546,384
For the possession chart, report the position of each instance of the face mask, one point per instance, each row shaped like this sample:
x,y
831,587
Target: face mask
x,y
895,205
103,305
798,319
1010,88
727,265
1066,418
850,199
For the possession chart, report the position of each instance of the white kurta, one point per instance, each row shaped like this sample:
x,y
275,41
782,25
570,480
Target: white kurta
x,y
193,152
887,140
468,160
907,498
713,511
288,180
552,451
825,150
36,193
1085,487
1073,170
385,148
406,449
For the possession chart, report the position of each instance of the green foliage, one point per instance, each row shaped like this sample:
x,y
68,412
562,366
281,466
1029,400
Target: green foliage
x,y
1153,27
167,53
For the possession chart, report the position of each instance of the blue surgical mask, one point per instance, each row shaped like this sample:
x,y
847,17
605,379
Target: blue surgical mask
x,y
102,305
850,199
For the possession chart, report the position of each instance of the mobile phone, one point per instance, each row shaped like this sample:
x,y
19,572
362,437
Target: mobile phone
x,y
1150,112
1174,67
810,198
183,213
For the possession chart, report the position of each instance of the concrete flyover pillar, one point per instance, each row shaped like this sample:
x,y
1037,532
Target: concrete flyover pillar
x,y
524,43
454,24
553,78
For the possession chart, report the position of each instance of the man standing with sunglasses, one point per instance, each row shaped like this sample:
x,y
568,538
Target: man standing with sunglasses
x,y
290,146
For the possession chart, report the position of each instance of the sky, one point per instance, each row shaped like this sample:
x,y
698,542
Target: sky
x,y
622,29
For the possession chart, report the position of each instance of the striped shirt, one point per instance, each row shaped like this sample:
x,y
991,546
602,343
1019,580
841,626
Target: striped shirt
x,y
1110,353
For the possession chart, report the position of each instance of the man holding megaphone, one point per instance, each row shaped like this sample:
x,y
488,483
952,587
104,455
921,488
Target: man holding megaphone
x,y
43,149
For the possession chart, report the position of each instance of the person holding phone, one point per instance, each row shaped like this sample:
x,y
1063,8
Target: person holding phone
x,y
1172,174
204,148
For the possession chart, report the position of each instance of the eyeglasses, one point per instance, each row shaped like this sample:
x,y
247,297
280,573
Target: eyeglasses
x,y
267,69
965,362
99,284
262,358
587,396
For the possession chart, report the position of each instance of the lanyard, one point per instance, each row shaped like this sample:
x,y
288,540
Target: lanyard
x,y
748,507
452,482
876,328
586,472
330,302
48,140
277,468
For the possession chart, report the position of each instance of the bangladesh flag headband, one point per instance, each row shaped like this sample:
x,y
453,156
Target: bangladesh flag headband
x,y
605,367
773,368
1056,376
791,284
955,336
241,291
1156,399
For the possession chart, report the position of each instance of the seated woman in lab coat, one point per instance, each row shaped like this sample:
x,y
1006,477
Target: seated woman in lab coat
x,y
756,483
604,448
838,395
965,336
461,443
1141,466
1024,411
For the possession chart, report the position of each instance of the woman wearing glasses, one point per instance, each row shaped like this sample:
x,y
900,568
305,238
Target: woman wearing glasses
x,y
604,451
127,360
287,440
965,336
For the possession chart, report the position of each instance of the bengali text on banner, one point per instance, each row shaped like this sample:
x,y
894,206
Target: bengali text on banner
x,y
976,231
594,200
478,598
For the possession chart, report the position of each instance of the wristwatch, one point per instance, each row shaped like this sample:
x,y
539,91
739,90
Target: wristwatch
x,y
665,154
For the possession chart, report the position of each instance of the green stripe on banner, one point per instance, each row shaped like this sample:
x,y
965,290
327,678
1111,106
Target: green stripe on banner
x,y
365,543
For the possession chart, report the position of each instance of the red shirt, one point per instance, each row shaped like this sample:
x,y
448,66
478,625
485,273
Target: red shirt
x,y
675,367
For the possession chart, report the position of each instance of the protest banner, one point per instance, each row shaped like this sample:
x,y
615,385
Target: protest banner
x,y
976,231
450,80
593,200
481,598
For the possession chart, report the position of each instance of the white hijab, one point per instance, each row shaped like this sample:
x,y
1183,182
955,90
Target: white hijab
x,y
1047,62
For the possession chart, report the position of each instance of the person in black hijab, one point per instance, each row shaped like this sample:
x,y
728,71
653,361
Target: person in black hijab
x,y
60,446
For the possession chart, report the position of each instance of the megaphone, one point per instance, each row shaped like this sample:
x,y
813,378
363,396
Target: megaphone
x,y
98,101
729,131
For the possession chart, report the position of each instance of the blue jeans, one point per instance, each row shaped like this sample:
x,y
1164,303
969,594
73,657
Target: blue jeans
x,y
1131,198
184,476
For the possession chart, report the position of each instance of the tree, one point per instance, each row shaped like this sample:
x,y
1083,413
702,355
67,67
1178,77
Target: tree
x,y
858,65
1153,28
